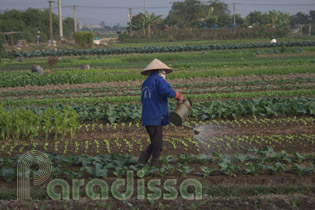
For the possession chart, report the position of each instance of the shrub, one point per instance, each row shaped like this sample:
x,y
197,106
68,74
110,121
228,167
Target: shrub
x,y
84,39
2,51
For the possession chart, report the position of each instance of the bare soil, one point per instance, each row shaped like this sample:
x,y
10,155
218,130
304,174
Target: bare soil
x,y
177,140
270,201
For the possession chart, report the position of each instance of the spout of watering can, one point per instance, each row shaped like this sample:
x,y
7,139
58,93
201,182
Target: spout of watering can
x,y
195,130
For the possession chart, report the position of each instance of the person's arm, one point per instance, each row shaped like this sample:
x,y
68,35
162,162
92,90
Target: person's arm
x,y
165,89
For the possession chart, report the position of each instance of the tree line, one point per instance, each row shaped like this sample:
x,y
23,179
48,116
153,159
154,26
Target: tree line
x,y
31,21
215,14
188,14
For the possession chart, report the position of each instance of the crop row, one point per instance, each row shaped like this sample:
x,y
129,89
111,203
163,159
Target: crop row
x,y
264,122
265,159
200,111
183,48
243,62
124,99
203,42
223,125
179,62
24,124
299,82
15,79
211,59
234,143
132,92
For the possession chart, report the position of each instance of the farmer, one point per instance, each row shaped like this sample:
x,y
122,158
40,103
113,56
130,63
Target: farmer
x,y
155,91
38,38
273,40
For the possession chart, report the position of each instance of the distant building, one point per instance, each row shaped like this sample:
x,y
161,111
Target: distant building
x,y
96,26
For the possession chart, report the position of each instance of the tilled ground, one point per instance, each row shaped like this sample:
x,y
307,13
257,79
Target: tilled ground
x,y
226,136
270,201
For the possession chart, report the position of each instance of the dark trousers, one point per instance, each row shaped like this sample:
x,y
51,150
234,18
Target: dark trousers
x,y
156,137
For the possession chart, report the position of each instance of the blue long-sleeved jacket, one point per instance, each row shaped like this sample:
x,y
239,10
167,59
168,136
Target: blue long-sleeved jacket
x,y
155,91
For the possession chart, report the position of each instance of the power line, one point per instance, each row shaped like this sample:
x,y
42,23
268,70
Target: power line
x,y
100,7
286,5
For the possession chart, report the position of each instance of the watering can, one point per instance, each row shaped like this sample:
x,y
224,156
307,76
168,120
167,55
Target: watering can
x,y
180,113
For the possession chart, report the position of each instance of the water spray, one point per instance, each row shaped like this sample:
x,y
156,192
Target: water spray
x,y
194,129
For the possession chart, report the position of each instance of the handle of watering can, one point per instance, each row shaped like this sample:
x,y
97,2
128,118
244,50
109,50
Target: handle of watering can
x,y
178,96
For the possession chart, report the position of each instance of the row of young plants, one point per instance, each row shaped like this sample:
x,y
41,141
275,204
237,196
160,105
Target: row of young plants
x,y
205,42
129,61
243,62
200,111
21,124
239,142
16,79
116,165
104,92
299,81
124,99
135,61
154,49
199,144
264,122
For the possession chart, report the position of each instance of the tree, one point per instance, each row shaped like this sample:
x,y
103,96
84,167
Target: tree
x,y
220,8
32,20
279,19
257,18
138,22
211,19
68,27
224,20
186,14
239,20
299,19
312,16
145,22
151,20
218,14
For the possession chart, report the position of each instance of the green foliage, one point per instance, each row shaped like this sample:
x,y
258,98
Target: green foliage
x,y
24,124
3,54
32,20
225,164
84,39
184,170
116,164
301,169
186,14
96,109
207,170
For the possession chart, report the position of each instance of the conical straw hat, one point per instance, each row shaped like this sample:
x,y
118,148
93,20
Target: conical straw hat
x,y
156,64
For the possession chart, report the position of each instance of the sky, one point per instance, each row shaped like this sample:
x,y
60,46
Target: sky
x,y
114,12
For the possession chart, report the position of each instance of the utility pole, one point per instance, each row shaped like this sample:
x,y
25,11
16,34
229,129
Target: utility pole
x,y
50,23
130,22
145,6
60,20
75,19
234,18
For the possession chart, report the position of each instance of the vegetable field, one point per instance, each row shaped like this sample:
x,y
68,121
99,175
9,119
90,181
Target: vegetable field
x,y
253,102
